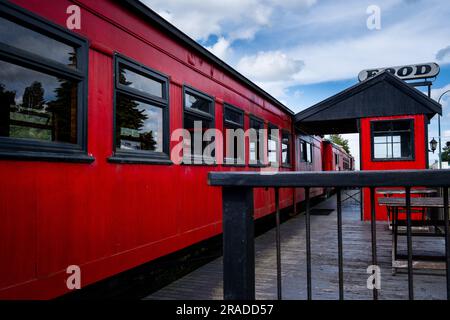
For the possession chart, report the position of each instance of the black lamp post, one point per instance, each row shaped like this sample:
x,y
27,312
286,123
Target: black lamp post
x,y
439,129
433,145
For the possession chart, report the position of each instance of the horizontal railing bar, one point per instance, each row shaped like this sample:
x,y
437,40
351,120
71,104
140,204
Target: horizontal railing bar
x,y
376,178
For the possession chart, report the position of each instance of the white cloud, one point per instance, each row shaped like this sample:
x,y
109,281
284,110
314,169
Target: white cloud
x,y
272,70
201,19
446,134
443,55
221,48
270,66
344,58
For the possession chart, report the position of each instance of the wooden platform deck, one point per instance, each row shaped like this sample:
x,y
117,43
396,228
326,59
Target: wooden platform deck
x,y
206,282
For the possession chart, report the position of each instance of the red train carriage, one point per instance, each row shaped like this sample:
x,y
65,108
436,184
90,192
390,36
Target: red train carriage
x,y
308,158
335,158
86,117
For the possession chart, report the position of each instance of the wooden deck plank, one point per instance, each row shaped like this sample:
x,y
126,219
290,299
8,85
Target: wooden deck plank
x,y
206,282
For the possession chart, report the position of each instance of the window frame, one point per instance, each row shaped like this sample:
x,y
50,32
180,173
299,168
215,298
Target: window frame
x,y
232,108
271,127
311,150
29,149
260,163
196,113
141,156
411,137
289,158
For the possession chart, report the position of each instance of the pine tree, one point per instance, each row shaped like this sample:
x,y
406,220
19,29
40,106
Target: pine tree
x,y
339,140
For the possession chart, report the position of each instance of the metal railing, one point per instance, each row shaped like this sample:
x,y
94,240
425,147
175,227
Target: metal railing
x,y
238,222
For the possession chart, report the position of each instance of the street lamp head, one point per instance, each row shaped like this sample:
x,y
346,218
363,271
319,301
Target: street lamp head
x,y
433,145
443,94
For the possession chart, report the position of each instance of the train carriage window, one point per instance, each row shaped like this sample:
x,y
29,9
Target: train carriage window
x,y
43,89
272,144
392,139
286,149
198,117
346,164
234,139
305,151
141,113
256,139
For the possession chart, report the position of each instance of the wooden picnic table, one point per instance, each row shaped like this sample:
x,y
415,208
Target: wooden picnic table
x,y
390,192
425,202
423,262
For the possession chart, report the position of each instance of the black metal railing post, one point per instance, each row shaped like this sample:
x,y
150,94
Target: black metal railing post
x,y
238,244
447,241
409,244
373,226
308,245
340,250
278,241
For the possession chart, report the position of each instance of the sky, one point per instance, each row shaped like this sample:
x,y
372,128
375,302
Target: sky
x,y
303,51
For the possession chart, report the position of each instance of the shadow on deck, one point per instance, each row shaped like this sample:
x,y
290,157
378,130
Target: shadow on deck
x,y
206,282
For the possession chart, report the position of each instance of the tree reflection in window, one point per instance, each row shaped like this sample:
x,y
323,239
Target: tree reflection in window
x,y
37,106
138,125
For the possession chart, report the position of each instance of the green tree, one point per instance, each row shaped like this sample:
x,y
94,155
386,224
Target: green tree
x,y
445,153
339,140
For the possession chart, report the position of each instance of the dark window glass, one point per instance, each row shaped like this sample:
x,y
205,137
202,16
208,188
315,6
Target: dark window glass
x,y
234,117
139,125
392,139
234,138
198,117
15,35
305,151
140,82
256,141
197,103
34,105
286,148
141,119
346,164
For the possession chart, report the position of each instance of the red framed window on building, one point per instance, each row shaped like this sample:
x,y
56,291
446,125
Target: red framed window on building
x,y
392,139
